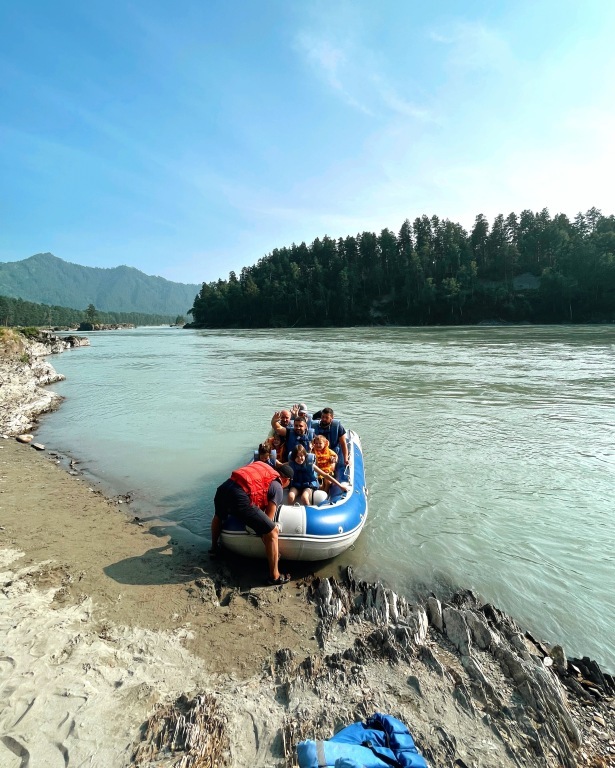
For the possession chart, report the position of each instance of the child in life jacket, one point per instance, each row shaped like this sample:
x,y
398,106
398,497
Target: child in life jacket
x,y
305,474
277,444
264,454
305,480
326,460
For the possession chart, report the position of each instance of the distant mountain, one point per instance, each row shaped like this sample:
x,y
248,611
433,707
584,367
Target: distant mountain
x,y
45,279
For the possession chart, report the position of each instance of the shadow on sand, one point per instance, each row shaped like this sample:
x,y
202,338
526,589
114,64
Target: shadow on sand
x,y
185,557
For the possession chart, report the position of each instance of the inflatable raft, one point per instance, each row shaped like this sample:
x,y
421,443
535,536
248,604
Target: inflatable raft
x,y
320,531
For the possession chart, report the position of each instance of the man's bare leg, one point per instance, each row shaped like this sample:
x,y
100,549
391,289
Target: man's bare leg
x,y
216,530
270,540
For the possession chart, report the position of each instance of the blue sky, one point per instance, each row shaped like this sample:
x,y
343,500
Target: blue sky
x,y
187,139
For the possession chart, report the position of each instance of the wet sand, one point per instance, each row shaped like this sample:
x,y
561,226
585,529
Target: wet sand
x,y
103,616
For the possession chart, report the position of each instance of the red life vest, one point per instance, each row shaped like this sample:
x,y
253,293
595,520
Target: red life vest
x,y
255,480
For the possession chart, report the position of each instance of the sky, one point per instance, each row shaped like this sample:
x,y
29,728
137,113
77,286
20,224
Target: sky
x,y
191,138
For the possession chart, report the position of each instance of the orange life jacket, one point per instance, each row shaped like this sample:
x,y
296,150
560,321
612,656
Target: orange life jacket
x,y
326,460
255,480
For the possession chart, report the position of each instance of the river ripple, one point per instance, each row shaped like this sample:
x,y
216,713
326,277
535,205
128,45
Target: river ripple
x,y
490,452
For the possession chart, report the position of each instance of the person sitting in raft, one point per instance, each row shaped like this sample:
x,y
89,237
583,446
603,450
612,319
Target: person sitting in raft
x,y
300,409
326,460
305,481
264,453
252,494
284,417
299,434
276,444
335,433
305,476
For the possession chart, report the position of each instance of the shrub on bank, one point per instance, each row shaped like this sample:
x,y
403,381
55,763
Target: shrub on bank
x,y
30,332
12,343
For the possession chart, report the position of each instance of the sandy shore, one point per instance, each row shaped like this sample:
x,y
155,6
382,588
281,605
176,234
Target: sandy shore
x,y
117,633
102,617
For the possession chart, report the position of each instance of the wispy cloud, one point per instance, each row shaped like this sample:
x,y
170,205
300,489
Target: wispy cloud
x,y
473,47
397,104
349,69
332,64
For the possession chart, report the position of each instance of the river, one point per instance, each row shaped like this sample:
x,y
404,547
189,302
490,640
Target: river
x,y
490,452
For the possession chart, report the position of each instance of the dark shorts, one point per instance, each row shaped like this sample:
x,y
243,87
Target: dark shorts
x,y
230,499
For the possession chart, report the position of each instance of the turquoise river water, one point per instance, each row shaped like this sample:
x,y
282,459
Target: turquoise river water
x,y
490,452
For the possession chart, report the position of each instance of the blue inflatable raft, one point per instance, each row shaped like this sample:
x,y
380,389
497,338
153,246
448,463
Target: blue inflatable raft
x,y
320,531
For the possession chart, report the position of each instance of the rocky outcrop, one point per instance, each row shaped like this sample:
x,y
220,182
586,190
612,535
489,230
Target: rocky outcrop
x,y
46,343
474,689
24,374
105,326
472,686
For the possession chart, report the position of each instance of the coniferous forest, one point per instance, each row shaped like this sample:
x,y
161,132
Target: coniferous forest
x,y
16,312
521,268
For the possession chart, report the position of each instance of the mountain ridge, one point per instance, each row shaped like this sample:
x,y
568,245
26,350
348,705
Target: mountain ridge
x,y
48,279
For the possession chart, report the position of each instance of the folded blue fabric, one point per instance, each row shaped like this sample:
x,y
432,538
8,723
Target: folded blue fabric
x,y
382,741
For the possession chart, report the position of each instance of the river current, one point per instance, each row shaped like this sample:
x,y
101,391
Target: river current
x,y
489,452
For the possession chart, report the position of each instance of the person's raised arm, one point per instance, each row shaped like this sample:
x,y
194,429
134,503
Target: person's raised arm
x,y
276,426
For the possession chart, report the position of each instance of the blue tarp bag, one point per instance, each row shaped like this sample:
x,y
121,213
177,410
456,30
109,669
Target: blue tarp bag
x,y
318,754
379,742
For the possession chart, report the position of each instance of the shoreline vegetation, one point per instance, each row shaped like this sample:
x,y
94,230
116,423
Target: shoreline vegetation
x,y
15,312
124,645
532,267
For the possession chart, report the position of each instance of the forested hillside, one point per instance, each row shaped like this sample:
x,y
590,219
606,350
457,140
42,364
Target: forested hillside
x,y
531,267
45,279
17,312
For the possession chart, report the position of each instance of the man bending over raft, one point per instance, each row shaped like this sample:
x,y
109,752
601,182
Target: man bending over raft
x,y
252,494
